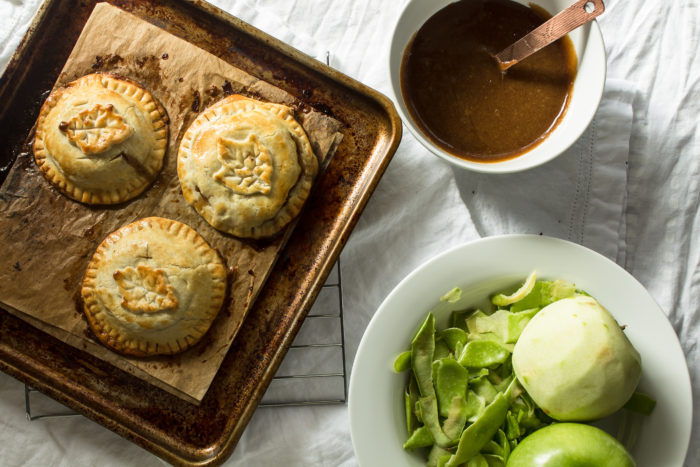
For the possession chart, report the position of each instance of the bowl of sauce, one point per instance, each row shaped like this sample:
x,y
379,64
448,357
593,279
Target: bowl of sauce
x,y
456,101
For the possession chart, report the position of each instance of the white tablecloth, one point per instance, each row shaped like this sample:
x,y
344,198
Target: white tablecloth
x,y
635,199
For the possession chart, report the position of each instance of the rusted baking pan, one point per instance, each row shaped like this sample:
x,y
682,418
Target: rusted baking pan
x,y
173,429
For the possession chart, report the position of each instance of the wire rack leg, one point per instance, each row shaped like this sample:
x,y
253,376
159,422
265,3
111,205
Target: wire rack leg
x,y
28,407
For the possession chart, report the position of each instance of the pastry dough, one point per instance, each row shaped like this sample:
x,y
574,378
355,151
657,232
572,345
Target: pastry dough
x,y
101,139
153,287
246,166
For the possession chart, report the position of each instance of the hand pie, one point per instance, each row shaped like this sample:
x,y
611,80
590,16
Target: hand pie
x,y
246,166
153,287
101,139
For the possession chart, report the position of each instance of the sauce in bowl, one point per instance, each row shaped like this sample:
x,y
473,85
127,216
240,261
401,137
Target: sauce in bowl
x,y
460,99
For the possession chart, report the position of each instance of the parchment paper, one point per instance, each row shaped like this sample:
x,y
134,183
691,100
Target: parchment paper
x,y
48,239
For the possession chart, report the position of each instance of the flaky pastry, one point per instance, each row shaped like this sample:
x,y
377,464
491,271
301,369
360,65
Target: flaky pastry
x,y
246,166
153,287
101,139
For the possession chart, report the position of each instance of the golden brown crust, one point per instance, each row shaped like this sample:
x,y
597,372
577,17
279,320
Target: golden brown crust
x,y
101,139
153,287
246,166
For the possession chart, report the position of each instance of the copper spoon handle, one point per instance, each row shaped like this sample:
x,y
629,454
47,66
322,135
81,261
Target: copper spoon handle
x,y
554,28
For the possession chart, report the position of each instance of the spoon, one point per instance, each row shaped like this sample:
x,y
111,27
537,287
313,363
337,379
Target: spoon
x,y
554,28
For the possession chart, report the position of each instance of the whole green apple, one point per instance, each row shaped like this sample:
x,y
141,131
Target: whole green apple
x,y
570,445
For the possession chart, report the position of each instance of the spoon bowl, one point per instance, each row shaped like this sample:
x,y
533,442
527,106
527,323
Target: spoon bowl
x,y
551,30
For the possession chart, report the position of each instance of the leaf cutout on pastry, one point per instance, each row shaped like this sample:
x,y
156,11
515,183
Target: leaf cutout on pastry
x,y
145,289
97,129
246,166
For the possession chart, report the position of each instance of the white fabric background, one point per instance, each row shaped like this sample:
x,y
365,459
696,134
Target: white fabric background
x,y
628,189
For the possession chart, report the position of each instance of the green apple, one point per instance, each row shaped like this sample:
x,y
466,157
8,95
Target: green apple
x,y
575,362
570,445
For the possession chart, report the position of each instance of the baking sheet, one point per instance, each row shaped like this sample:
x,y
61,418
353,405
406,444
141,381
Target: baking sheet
x,y
51,237
168,426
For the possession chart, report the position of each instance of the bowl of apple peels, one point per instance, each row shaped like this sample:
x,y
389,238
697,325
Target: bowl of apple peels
x,y
520,351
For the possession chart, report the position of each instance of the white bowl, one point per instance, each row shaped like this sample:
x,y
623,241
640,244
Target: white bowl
x,y
587,90
376,405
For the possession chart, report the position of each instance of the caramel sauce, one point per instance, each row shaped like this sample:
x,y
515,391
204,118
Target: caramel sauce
x,y
460,99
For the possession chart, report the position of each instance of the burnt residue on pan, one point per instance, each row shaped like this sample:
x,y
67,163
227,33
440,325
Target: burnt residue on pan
x,y
173,428
195,101
106,62
227,88
213,91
